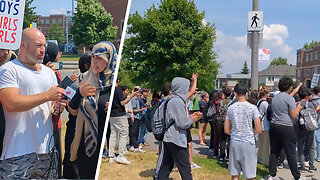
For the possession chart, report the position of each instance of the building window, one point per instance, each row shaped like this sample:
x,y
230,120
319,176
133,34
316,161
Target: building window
x,y
41,21
298,73
298,59
311,56
316,55
270,78
60,21
306,57
54,21
47,21
315,70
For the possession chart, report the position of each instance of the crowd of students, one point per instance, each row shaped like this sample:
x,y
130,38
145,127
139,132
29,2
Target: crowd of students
x,y
252,127
246,127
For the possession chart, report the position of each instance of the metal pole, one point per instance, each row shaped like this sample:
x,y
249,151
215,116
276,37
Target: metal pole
x,y
254,53
72,8
67,31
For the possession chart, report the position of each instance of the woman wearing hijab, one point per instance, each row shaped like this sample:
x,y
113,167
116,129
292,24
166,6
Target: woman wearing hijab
x,y
89,105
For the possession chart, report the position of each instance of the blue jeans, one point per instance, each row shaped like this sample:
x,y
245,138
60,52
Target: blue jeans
x,y
317,138
142,133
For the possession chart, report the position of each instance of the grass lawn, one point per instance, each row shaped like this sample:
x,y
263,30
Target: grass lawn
x,y
143,167
73,57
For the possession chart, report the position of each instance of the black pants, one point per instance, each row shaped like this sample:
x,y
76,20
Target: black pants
x,y
283,137
69,171
170,154
134,132
211,123
305,143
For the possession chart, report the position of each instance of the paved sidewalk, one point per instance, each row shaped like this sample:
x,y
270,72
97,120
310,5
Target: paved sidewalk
x,y
284,173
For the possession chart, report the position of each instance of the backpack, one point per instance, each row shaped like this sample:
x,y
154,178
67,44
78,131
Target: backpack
x,y
223,109
309,118
211,111
158,122
148,116
269,113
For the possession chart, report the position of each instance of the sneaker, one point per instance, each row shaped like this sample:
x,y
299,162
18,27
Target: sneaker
x,y
281,166
221,160
139,150
269,177
312,168
306,164
195,166
146,144
112,159
123,160
318,160
132,149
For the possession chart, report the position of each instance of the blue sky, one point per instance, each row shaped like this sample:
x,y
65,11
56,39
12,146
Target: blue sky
x,y
288,25
47,7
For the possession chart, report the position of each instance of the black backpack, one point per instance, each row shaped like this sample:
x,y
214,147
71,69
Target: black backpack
x,y
148,116
158,122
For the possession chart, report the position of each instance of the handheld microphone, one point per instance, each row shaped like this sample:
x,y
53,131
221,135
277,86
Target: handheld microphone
x,y
69,86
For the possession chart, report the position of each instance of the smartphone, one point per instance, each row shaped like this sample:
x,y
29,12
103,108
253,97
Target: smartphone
x,y
57,65
135,89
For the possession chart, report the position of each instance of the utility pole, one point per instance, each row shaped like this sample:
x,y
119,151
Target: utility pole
x,y
254,53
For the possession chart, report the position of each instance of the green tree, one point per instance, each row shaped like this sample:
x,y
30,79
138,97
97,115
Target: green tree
x,y
29,14
92,24
311,45
245,69
170,41
279,61
56,33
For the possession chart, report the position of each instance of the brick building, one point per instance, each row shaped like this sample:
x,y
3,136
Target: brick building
x,y
44,22
117,9
308,63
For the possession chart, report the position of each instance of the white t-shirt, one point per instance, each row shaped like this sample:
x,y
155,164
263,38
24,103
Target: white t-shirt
x,y
263,111
29,131
242,115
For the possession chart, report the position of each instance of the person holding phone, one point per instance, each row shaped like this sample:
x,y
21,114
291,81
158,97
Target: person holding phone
x,y
89,104
31,98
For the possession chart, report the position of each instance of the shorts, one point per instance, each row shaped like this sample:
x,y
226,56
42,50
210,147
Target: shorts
x,y
242,158
189,137
203,120
30,166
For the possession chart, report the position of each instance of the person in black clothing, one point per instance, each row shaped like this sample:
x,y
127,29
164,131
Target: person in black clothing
x,y
68,169
89,104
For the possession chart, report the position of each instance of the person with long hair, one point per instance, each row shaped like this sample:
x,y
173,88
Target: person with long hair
x,y
263,138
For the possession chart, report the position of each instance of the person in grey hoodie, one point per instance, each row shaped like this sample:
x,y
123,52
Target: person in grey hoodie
x,y
174,149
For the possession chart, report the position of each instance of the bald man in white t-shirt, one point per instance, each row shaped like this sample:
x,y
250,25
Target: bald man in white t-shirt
x,y
30,97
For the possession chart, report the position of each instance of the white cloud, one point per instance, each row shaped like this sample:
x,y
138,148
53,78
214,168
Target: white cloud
x,y
58,11
233,51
